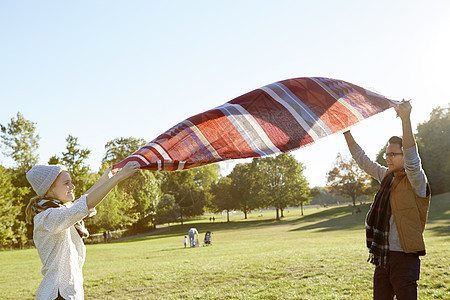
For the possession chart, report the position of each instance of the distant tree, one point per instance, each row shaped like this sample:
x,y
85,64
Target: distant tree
x,y
112,213
12,227
190,188
145,190
54,160
280,182
301,192
21,142
120,148
316,192
434,147
321,196
347,179
223,198
74,159
137,198
243,189
205,177
167,210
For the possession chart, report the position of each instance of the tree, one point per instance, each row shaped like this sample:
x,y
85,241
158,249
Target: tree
x,y
12,227
242,187
280,182
347,179
321,196
301,193
223,198
74,159
21,142
120,148
167,210
112,213
145,190
190,188
142,191
434,147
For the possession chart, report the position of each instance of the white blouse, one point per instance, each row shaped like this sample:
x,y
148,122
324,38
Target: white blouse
x,y
61,250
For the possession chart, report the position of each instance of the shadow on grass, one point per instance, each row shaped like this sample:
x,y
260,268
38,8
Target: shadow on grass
x,y
439,207
339,218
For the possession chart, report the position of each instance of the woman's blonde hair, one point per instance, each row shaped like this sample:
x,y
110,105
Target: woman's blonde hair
x,y
29,209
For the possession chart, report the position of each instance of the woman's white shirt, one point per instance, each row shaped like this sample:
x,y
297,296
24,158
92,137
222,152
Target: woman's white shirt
x,y
61,250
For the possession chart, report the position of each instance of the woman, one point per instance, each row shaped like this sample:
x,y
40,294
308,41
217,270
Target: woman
x,y
59,228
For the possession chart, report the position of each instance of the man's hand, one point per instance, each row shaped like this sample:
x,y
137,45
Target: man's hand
x,y
404,112
349,138
404,109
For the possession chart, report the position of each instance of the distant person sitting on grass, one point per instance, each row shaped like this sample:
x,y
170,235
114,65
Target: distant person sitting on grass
x,y
397,216
59,228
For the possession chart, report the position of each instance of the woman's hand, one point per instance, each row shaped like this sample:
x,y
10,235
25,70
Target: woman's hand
x,y
98,192
129,169
108,174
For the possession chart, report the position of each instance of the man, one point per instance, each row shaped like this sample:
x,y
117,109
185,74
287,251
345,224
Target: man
x,y
397,217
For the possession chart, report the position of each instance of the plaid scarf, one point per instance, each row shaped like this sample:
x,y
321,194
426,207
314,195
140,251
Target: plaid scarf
x,y
44,204
377,223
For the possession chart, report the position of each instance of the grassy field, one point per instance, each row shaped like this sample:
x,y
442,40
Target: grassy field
x,y
321,255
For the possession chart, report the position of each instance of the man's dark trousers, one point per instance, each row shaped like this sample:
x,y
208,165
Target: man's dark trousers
x,y
399,277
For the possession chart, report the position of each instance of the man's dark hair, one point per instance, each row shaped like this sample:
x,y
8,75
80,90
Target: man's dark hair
x,y
396,140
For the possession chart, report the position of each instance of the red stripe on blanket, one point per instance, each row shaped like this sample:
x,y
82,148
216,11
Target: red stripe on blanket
x,y
276,121
213,124
335,115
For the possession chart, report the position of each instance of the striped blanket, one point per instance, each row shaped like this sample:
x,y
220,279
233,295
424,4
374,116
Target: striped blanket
x,y
278,117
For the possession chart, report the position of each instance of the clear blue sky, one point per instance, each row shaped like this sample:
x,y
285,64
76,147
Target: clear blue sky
x,y
100,70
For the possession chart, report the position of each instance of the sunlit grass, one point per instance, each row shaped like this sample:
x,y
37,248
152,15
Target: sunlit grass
x,y
321,255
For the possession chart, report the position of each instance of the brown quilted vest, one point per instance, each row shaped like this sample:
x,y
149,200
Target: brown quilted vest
x,y
410,214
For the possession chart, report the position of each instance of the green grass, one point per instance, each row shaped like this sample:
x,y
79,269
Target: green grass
x,y
321,255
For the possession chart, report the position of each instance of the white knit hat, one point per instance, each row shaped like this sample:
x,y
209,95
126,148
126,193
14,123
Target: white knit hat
x,y
41,177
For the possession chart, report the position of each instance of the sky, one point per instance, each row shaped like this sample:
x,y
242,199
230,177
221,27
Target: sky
x,y
100,70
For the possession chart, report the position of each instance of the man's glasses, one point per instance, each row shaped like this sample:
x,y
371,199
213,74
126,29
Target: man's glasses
x,y
391,154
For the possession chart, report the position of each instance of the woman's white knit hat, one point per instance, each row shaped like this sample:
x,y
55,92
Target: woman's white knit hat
x,y
41,177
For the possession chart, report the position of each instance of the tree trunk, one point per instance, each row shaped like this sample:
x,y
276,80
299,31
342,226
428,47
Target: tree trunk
x,y
245,214
278,215
228,216
282,212
301,207
354,200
